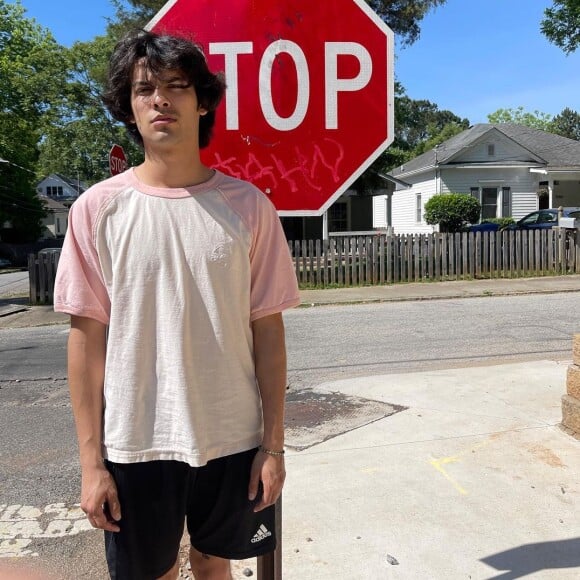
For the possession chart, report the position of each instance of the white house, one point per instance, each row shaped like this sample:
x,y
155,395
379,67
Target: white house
x,y
511,169
60,188
56,222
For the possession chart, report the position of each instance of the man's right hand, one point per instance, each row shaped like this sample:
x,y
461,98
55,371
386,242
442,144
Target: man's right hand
x,y
99,499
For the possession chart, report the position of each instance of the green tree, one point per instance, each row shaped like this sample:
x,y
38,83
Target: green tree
x,y
78,142
561,24
567,124
404,16
519,116
452,211
31,74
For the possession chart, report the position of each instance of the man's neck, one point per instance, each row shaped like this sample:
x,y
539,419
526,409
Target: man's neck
x,y
172,170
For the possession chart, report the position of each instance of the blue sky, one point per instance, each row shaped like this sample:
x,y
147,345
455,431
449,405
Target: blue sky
x,y
473,56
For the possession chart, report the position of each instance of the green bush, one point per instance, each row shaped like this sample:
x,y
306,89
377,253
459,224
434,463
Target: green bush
x,y
452,211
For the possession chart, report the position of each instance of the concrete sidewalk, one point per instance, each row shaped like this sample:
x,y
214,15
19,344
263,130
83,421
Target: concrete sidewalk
x,y
43,315
442,290
474,480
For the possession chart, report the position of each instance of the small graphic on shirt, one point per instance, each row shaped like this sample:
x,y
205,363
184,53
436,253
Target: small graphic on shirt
x,y
262,533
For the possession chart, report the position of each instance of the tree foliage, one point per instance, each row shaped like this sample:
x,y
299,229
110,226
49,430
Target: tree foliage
x,y
78,142
519,116
31,74
567,124
452,211
403,16
561,24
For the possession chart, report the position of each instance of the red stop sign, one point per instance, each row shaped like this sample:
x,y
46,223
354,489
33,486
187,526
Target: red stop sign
x,y
117,160
309,103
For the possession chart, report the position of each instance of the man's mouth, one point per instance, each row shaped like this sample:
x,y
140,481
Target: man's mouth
x,y
162,120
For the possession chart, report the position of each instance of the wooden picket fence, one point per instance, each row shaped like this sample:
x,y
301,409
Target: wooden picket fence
x,y
41,274
388,259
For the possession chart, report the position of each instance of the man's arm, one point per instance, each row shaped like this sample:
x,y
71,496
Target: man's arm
x,y
270,363
86,373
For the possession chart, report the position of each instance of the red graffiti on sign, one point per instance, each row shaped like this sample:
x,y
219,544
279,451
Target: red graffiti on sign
x,y
308,165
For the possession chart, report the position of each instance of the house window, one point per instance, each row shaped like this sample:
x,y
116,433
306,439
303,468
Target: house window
x,y
54,190
474,191
506,201
491,149
419,208
338,217
488,202
58,225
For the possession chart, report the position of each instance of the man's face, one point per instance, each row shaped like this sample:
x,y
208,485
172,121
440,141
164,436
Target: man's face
x,y
165,108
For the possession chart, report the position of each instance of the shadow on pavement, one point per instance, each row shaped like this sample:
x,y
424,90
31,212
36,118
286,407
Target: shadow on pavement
x,y
530,558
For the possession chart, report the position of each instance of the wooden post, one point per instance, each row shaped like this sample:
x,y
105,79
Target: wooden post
x,y
269,566
32,278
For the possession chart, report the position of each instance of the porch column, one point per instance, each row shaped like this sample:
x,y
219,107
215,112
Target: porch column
x,y
325,225
551,192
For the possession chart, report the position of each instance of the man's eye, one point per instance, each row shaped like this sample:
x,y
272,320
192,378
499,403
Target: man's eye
x,y
144,90
172,86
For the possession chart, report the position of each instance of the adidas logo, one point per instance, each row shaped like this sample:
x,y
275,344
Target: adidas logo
x,y
262,533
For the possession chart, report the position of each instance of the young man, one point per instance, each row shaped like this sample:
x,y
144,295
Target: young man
x,y
175,277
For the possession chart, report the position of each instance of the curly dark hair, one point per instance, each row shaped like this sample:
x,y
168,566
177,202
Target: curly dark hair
x,y
161,52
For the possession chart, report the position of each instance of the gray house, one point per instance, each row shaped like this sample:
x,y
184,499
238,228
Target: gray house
x,y
511,169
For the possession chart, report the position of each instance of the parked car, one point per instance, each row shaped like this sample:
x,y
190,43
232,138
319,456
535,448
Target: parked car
x,y
544,219
484,227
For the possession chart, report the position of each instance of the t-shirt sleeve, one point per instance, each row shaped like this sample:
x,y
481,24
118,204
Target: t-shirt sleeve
x,y
274,286
80,288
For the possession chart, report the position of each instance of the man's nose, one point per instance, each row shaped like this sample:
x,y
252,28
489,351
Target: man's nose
x,y
159,98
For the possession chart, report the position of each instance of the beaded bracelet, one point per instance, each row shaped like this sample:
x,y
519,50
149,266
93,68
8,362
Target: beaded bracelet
x,y
270,452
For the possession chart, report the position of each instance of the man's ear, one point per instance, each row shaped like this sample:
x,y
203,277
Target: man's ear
x,y
202,111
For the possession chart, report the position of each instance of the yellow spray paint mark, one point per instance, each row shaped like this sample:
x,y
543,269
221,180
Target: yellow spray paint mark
x,y
438,465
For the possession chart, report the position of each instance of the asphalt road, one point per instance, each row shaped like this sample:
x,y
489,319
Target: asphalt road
x,y
14,283
39,476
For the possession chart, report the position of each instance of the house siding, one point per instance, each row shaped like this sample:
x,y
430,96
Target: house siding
x,y
523,184
405,210
380,211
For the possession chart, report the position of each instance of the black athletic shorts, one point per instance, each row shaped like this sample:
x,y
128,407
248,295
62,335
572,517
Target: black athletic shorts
x,y
156,498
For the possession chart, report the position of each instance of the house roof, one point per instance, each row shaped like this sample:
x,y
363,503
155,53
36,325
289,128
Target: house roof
x,y
546,149
52,205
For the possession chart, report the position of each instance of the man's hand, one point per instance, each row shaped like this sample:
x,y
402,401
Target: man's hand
x,y
99,499
271,472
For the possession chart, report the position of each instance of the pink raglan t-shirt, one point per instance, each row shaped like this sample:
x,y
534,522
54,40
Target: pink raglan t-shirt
x,y
178,275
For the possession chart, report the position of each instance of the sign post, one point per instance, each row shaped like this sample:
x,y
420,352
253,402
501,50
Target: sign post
x,y
117,160
309,104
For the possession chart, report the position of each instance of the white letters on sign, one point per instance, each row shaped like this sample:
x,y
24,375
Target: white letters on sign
x,y
332,84
230,50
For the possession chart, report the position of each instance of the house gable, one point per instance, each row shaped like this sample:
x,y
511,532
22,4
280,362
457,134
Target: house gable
x,y
56,186
493,148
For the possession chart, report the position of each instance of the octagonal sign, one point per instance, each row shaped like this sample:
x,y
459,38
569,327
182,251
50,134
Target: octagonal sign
x,y
309,101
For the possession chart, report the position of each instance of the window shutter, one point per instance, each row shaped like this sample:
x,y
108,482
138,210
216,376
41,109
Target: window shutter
x,y
506,201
